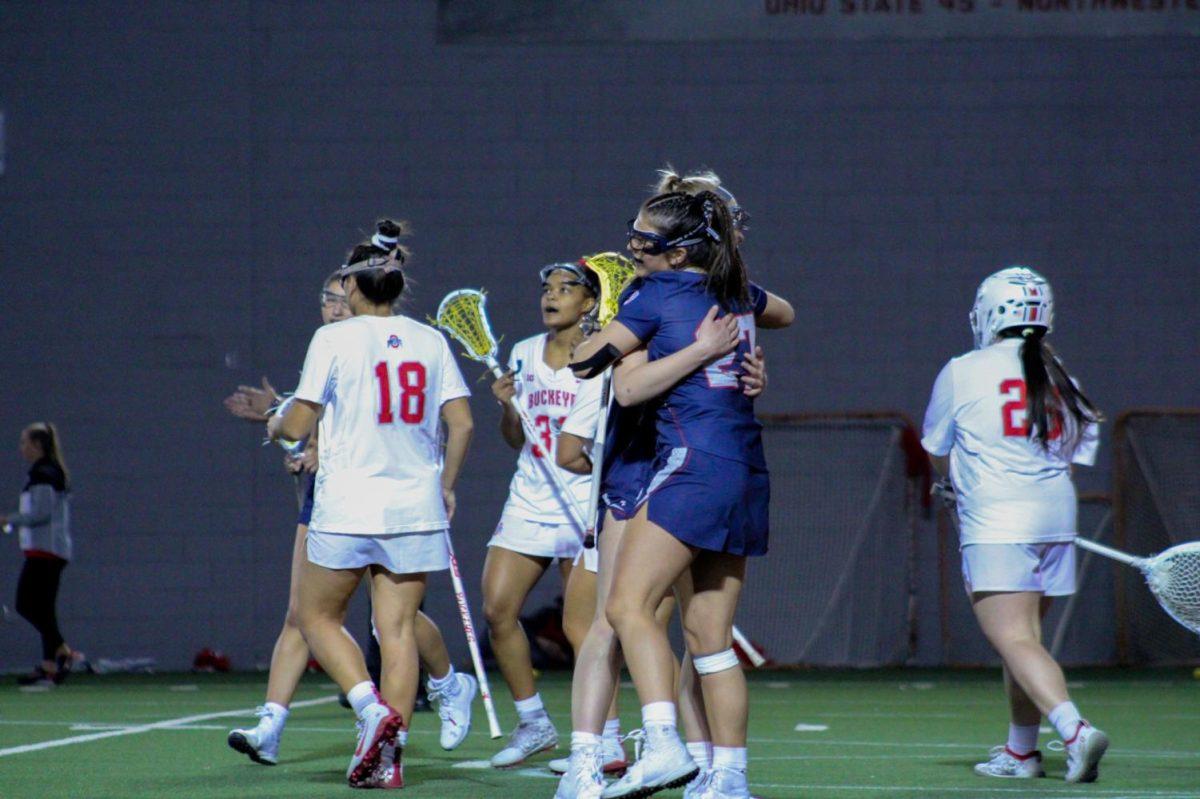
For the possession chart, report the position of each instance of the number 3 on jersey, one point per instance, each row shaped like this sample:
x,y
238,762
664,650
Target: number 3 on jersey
x,y
411,377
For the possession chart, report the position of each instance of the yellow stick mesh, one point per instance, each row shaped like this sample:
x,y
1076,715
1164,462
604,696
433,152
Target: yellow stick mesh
x,y
462,315
615,272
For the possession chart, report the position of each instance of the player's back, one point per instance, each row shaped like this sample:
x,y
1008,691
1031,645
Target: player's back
x,y
380,436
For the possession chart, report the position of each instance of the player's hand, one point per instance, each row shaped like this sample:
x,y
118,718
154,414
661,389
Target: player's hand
x,y
252,403
293,463
308,459
754,373
717,337
505,388
451,502
273,425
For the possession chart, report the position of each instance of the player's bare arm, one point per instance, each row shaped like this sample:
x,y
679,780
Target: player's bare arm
x,y
572,454
504,389
296,422
456,414
641,379
778,313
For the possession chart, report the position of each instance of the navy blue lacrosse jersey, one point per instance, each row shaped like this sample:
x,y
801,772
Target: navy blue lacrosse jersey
x,y
707,410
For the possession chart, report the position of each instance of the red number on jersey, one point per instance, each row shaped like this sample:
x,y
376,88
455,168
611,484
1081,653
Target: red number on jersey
x,y
546,433
1014,387
412,392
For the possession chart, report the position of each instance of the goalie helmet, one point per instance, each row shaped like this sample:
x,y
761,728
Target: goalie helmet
x,y
1013,297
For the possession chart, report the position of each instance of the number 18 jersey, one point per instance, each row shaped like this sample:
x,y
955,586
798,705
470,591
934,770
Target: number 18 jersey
x,y
547,396
1009,489
382,382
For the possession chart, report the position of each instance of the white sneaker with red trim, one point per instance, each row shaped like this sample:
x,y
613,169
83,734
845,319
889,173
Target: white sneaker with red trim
x,y
1004,762
377,728
1084,751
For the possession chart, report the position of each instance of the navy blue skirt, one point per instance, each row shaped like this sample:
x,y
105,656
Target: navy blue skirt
x,y
709,502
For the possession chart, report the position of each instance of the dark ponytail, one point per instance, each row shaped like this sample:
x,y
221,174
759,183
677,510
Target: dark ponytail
x,y
715,246
381,286
1053,401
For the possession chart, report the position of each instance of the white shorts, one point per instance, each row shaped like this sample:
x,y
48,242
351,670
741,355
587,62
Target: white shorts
x,y
1048,569
402,553
537,539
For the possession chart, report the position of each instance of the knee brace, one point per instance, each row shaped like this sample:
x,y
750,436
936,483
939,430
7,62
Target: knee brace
x,y
711,664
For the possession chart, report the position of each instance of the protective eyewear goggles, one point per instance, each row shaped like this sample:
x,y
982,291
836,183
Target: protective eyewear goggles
x,y
653,244
333,298
581,276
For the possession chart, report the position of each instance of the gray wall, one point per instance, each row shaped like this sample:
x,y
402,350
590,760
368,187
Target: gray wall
x,y
181,176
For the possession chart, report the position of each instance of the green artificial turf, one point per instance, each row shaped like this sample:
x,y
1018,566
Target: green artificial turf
x,y
903,733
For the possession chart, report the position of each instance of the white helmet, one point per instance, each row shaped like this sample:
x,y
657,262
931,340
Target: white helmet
x,y
1013,297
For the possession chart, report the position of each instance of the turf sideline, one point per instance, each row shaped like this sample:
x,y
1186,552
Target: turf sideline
x,y
158,725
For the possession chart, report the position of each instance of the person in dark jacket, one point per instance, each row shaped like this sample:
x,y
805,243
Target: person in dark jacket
x,y
43,524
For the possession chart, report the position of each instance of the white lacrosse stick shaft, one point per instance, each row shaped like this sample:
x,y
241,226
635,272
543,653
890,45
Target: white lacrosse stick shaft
x,y
598,441
743,642
551,470
1109,552
460,594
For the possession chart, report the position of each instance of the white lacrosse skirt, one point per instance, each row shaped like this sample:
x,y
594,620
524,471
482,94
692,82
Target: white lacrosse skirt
x,y
1048,569
401,553
537,539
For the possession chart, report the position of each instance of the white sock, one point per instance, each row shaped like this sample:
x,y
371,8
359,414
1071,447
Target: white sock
x,y
612,729
278,716
531,709
1022,739
1065,719
447,684
659,713
580,740
702,753
362,696
731,757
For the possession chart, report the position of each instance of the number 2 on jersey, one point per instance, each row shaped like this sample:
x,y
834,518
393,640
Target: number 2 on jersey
x,y
411,376
1013,413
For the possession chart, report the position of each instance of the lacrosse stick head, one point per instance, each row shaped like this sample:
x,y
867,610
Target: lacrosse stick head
x,y
463,314
614,272
1174,579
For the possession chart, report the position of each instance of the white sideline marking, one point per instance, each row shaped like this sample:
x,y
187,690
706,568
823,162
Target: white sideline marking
x,y
1045,730
916,686
811,727
944,790
472,764
158,725
184,688
779,684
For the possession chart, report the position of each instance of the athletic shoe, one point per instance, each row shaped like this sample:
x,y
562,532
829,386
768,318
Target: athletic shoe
x,y
723,783
39,678
582,778
1004,762
695,788
529,738
1084,751
612,752
389,774
664,763
377,728
455,709
63,664
261,742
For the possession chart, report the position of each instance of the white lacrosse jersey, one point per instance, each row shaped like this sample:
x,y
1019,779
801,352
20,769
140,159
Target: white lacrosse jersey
x,y
585,413
547,396
382,382
1009,489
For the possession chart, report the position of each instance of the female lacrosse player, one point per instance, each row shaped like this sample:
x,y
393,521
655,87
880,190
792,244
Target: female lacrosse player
x,y
384,495
1006,422
704,509
43,524
290,655
537,525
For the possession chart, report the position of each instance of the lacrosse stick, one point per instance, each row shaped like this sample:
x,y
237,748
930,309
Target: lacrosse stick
x,y
460,595
462,314
1173,577
6,613
615,272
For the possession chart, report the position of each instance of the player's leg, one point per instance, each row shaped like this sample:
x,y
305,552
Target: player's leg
x,y
451,691
37,589
691,697
508,577
322,598
289,659
1011,621
717,580
395,599
649,562
579,604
